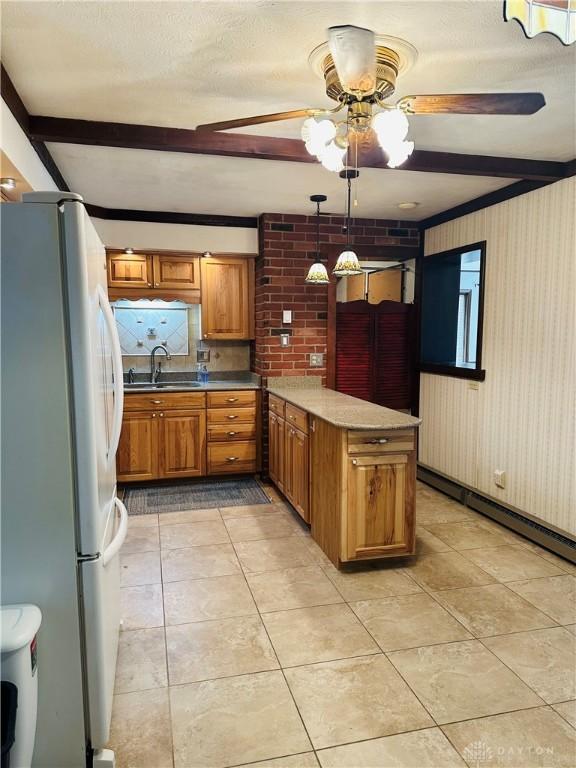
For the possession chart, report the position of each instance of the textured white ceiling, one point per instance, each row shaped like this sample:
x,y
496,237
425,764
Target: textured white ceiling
x,y
182,63
121,178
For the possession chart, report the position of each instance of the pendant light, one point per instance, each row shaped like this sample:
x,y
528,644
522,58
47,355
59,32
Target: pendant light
x,y
317,274
347,263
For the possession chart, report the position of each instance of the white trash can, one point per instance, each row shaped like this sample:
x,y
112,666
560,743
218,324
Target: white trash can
x,y
20,623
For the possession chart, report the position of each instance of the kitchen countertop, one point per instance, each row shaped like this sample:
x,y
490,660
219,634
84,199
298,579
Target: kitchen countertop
x,y
169,386
343,410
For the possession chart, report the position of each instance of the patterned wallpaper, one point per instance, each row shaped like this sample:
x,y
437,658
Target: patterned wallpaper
x,y
522,418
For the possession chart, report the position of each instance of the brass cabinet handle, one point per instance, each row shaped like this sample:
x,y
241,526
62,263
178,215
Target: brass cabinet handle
x,y
232,458
231,434
157,284
232,416
153,415
231,399
156,402
292,417
150,285
354,462
161,414
379,441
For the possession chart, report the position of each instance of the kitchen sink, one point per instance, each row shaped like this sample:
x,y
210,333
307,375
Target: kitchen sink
x,y
143,386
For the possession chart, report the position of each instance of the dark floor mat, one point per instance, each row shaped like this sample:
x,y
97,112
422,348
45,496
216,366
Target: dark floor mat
x,y
199,494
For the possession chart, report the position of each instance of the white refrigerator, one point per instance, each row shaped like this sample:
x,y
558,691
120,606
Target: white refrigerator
x,y
62,524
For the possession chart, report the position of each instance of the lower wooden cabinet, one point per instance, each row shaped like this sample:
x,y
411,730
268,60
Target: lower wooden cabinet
x,y
377,494
174,435
182,443
288,464
137,456
296,486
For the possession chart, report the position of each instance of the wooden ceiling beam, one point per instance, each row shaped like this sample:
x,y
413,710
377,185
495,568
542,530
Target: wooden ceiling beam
x,y
158,138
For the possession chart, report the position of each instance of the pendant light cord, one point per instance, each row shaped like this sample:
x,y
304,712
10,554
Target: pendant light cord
x,y
318,230
348,214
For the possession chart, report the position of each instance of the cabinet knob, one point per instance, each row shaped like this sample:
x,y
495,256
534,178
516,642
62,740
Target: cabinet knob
x,y
354,462
149,285
157,284
379,441
161,414
153,415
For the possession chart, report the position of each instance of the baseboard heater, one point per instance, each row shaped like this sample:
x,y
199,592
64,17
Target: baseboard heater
x,y
553,540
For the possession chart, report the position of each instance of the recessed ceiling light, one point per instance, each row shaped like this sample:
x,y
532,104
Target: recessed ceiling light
x,y
406,206
128,250
7,183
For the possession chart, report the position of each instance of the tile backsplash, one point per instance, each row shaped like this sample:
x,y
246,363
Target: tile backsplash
x,y
224,355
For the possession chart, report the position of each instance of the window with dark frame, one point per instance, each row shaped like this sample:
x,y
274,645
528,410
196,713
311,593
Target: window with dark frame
x,y
452,307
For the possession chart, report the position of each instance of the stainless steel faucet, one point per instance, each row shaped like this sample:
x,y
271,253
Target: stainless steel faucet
x,y
155,372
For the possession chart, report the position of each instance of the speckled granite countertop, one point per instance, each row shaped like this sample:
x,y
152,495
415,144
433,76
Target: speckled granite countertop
x,y
342,410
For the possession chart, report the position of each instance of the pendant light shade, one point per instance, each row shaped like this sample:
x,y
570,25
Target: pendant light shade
x,y
347,264
317,274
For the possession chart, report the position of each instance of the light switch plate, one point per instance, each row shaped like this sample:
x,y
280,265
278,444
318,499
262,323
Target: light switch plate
x,y
316,360
284,339
286,316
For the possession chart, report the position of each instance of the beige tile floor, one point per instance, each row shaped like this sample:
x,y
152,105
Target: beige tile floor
x,y
243,645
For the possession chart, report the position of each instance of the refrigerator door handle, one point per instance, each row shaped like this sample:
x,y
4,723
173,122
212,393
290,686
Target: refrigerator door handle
x,y
117,369
114,546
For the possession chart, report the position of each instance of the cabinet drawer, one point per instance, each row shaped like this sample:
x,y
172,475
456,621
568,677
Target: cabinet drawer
x,y
231,415
157,400
231,432
236,399
232,457
276,405
385,441
297,418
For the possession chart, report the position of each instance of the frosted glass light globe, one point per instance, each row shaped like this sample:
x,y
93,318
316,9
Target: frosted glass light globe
x,y
332,157
317,133
399,153
391,127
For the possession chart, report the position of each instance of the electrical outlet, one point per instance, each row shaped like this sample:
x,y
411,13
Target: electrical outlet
x,y
316,360
286,316
500,478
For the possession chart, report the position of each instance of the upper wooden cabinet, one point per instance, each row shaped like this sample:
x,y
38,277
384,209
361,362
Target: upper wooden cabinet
x,y
168,276
129,270
227,298
175,271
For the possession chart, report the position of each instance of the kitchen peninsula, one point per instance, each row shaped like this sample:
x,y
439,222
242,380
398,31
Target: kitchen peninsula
x,y
347,466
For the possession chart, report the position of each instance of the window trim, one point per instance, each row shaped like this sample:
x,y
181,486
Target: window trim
x,y
478,373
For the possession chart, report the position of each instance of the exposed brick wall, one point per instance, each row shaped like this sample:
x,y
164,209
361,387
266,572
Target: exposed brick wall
x,y
287,248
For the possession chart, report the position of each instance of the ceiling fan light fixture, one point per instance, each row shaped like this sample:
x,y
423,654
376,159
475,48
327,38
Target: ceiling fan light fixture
x,y
399,153
317,274
391,127
332,157
347,265
316,134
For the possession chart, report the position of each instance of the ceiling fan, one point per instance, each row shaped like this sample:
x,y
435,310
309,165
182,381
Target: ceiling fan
x,y
360,73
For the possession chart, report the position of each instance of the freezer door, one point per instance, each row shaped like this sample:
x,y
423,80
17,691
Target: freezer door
x,y
101,592
96,363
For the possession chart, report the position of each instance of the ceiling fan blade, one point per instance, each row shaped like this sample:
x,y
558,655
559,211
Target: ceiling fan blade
x,y
258,120
474,104
354,56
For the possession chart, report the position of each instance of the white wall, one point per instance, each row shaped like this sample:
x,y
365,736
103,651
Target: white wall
x,y
522,418
178,237
16,146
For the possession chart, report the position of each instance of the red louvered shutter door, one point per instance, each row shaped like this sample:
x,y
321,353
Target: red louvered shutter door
x,y
394,351
354,350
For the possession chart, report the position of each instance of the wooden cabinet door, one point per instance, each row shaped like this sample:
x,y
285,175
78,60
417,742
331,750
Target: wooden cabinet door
x,y
299,480
273,447
129,270
182,443
176,272
378,493
137,456
227,298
